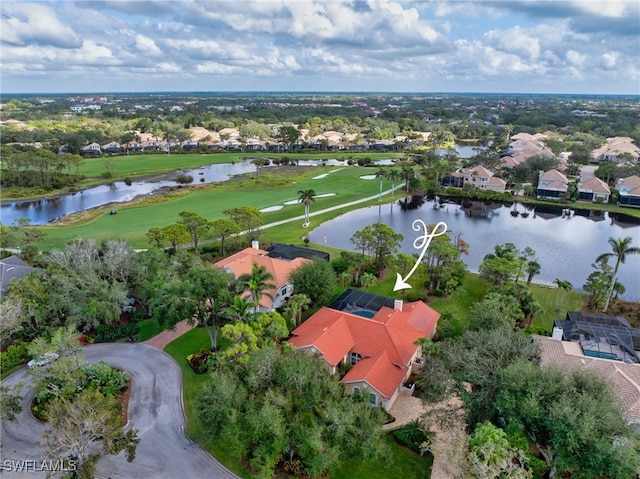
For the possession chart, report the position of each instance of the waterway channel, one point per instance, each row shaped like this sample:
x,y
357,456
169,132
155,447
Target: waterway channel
x,y
566,241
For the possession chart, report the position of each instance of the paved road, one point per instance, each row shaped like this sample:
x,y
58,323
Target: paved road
x,y
155,410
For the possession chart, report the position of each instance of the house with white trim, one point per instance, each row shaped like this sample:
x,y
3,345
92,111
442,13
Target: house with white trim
x,y
552,185
629,191
593,189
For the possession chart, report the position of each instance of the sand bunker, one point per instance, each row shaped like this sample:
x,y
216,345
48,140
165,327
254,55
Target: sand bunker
x,y
271,208
324,195
368,177
319,177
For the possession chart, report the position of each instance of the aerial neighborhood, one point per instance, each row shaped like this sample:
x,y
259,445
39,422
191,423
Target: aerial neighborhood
x,y
300,285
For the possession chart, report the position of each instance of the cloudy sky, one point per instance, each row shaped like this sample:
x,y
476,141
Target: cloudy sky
x,y
552,46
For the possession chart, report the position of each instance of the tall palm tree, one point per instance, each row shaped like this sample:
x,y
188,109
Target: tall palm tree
x,y
257,282
306,197
563,286
393,175
297,304
621,249
533,269
239,310
382,174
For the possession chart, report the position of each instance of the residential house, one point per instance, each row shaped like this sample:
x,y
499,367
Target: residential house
x,y
629,191
376,342
617,149
524,145
91,149
593,189
188,145
552,185
242,262
133,146
624,378
111,148
496,184
481,178
12,268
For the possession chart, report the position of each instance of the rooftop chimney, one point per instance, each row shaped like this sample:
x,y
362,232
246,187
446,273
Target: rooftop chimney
x,y
397,304
255,244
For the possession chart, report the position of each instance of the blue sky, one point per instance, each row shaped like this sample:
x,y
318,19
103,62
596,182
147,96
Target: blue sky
x,y
551,46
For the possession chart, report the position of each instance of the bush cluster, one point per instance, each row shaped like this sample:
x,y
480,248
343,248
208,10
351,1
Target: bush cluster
x,y
106,333
13,356
199,361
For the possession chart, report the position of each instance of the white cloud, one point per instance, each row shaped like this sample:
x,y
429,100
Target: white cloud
x,y
27,23
349,43
147,46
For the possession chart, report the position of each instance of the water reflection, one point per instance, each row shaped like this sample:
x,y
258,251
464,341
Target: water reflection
x,y
567,241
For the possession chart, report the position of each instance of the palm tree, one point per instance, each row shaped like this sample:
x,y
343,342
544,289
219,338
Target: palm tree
x,y
407,174
257,282
382,174
239,310
367,280
563,286
533,269
297,304
621,248
345,278
306,197
393,175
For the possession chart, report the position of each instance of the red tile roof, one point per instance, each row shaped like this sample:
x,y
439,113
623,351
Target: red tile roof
x,y
386,342
242,262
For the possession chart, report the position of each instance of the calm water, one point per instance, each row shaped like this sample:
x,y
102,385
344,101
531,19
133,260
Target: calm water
x,y
47,210
566,245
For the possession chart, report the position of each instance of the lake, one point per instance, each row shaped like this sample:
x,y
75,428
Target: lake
x,y
566,243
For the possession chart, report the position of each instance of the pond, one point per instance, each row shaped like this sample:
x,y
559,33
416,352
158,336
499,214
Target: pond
x,y
47,210
566,241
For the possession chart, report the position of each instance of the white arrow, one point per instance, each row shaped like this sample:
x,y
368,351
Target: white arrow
x,y
421,242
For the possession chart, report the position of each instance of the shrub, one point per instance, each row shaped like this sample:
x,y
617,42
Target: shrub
x,y
412,435
184,179
199,361
107,175
13,356
106,333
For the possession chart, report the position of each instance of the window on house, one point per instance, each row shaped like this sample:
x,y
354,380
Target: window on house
x,y
356,390
355,357
284,291
373,399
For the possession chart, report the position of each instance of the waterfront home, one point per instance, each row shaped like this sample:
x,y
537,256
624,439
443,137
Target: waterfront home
x,y
629,191
552,185
372,340
594,189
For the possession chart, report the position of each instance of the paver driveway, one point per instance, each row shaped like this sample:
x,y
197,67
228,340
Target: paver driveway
x,y
155,410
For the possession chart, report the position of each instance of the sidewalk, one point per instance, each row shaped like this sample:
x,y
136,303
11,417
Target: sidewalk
x,y
159,341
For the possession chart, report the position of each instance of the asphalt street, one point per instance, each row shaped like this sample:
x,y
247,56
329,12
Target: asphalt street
x,y
155,410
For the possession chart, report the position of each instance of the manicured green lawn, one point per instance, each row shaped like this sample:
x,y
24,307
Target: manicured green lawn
x,y
547,296
148,329
132,222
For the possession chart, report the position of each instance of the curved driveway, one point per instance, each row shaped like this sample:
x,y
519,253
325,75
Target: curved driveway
x,y
155,410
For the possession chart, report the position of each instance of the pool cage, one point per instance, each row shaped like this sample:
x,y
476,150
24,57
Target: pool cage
x,y
602,336
353,301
